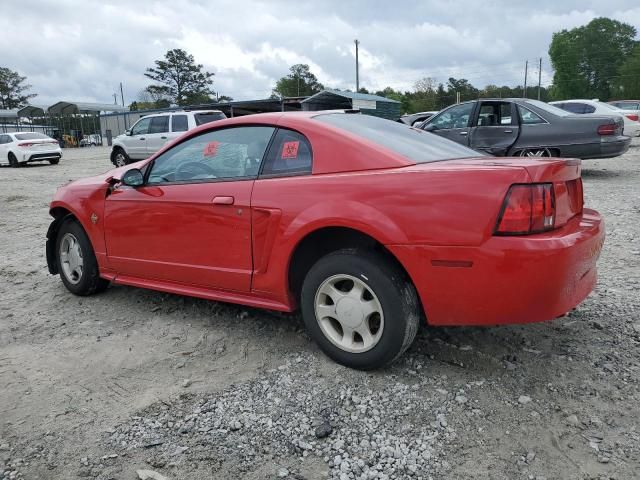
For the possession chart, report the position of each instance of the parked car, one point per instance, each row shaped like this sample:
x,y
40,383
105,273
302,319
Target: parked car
x,y
366,225
152,132
416,118
626,104
580,107
523,127
20,148
92,140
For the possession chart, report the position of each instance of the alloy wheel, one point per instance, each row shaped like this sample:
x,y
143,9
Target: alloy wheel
x,y
71,258
121,161
535,152
349,313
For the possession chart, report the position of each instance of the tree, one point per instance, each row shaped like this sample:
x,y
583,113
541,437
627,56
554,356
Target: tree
x,y
180,78
628,81
13,90
300,82
425,96
586,59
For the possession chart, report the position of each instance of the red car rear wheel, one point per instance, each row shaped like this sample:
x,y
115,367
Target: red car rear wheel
x,y
360,308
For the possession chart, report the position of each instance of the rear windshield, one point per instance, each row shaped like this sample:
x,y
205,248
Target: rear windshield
x,y
545,107
416,145
202,118
30,136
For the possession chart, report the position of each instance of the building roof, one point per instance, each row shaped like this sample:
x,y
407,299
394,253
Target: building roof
x,y
32,111
352,95
62,108
11,113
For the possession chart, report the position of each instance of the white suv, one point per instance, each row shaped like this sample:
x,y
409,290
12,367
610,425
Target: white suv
x,y
150,133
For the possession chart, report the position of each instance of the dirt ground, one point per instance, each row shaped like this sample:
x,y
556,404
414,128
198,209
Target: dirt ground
x,y
101,387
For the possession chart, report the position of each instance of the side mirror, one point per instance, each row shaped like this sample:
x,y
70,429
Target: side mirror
x,y
127,132
133,178
430,127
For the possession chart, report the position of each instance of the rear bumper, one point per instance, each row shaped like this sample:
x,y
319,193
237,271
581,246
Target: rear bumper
x,y
40,156
507,280
607,149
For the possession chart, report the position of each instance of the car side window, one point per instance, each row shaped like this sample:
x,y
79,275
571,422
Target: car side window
x,y
179,123
494,114
159,124
4,139
289,154
229,153
454,117
589,109
527,117
142,127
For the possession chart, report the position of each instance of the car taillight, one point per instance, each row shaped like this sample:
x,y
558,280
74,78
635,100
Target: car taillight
x,y
633,117
576,196
608,129
25,144
527,208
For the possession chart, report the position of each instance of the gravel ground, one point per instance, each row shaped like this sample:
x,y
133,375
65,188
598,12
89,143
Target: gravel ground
x,y
131,380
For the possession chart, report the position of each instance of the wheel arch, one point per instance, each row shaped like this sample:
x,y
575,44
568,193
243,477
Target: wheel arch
x,y
60,213
324,240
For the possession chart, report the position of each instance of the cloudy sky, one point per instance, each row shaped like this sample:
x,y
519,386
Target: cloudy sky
x,y
81,50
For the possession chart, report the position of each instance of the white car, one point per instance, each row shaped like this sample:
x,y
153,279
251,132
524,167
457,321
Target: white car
x,y
630,117
20,148
151,132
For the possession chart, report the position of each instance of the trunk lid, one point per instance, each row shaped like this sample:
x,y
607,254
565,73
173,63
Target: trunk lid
x,y
564,174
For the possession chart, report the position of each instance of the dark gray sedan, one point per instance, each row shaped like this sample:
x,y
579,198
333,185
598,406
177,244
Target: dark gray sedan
x,y
523,127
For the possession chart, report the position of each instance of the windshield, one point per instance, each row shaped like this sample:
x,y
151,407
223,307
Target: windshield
x,y
558,112
416,145
31,136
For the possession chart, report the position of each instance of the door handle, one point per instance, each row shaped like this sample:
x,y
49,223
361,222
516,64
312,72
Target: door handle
x,y
141,138
508,131
223,200
464,133
163,138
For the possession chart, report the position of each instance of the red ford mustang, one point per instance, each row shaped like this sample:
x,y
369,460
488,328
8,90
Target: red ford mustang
x,y
364,224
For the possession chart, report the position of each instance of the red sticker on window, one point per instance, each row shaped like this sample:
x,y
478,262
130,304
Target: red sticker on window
x,y
211,149
290,150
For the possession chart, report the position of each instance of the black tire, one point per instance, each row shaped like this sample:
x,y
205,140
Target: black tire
x,y
54,161
13,161
118,155
90,281
395,292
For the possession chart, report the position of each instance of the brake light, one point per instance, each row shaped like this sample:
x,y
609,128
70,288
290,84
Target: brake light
x,y
25,144
527,208
608,129
576,196
633,116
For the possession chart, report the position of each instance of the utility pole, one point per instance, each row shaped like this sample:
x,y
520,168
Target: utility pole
x,y
526,67
121,94
115,99
539,77
357,42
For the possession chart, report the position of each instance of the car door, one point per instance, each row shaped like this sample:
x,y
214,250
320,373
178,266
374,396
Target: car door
x,y
158,133
136,143
452,123
495,128
191,220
